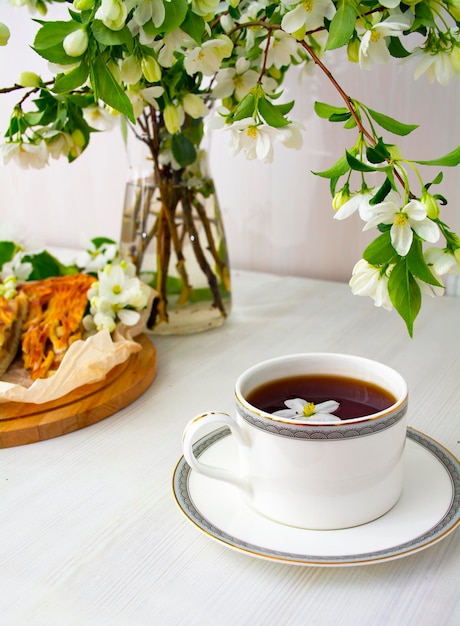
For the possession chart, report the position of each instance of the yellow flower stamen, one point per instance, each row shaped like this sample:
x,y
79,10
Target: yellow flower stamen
x,y
401,219
308,6
116,289
252,132
308,409
375,36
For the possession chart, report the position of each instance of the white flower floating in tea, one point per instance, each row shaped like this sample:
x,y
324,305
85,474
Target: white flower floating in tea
x,y
298,408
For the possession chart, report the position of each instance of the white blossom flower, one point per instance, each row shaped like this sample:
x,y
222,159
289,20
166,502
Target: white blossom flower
x,y
147,10
255,140
411,217
138,98
368,280
238,80
26,155
441,66
58,143
291,135
303,410
282,48
307,15
95,258
373,47
208,57
112,13
166,47
357,202
442,261
16,268
117,295
99,117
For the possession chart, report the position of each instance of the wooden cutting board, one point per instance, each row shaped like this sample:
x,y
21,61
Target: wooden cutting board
x,y
22,423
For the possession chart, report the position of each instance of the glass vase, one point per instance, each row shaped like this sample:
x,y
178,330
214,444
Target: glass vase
x,y
172,231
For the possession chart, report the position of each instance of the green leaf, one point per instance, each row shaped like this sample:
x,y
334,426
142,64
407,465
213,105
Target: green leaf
x,y
101,241
390,124
183,149
338,169
351,123
418,266
7,251
194,25
46,265
341,27
53,33
380,251
450,160
285,107
108,37
396,49
107,89
358,165
377,153
382,192
245,108
325,111
423,16
34,117
405,294
56,54
271,114
340,117
175,13
64,83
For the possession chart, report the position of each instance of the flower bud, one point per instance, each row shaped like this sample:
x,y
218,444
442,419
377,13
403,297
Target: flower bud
x,y
4,34
194,105
341,197
29,79
75,43
430,204
151,69
78,138
353,50
83,5
130,70
172,117
453,6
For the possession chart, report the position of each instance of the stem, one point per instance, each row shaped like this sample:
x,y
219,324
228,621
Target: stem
x,y
349,104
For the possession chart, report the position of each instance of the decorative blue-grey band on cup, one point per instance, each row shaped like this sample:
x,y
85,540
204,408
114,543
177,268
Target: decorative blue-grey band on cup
x,y
347,429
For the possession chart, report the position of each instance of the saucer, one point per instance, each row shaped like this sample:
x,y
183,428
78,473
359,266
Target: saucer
x,y
427,511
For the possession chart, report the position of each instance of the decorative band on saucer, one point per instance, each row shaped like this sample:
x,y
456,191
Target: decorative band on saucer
x,y
344,430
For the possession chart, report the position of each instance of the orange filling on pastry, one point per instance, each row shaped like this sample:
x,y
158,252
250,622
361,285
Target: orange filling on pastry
x,y
54,321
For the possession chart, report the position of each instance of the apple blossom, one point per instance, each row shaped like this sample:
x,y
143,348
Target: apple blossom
x,y
404,221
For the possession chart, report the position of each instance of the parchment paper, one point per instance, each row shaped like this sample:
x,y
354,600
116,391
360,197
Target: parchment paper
x,y
86,361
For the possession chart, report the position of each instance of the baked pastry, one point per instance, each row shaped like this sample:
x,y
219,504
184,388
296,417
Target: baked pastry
x,y
54,320
13,312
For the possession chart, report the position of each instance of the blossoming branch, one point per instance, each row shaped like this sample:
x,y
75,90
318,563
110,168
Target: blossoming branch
x,y
162,66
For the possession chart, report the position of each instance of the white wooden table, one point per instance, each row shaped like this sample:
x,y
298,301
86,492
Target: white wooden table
x,y
91,535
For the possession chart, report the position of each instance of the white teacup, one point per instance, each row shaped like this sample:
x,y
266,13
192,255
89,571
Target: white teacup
x,y
315,475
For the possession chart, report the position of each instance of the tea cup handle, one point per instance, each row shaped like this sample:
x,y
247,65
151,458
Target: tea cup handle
x,y
192,432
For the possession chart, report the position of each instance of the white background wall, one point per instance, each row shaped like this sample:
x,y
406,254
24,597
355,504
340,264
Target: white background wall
x,y
278,217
